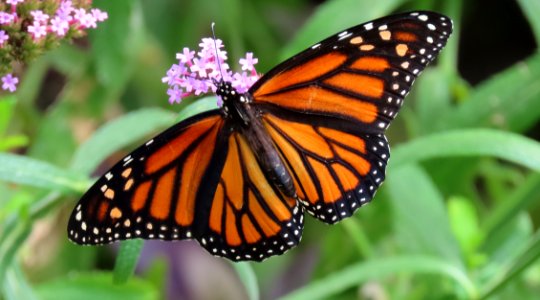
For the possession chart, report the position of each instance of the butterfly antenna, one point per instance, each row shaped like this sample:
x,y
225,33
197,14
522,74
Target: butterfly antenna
x,y
217,51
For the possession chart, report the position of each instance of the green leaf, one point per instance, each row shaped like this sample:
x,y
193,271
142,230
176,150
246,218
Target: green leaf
x,y
432,98
13,236
506,275
15,286
196,107
333,16
464,224
248,278
127,259
471,142
7,104
331,285
508,100
12,142
521,199
96,285
117,134
116,43
420,215
531,9
23,170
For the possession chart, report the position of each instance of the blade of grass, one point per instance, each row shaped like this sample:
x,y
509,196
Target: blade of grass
x,y
24,170
117,134
331,285
248,278
508,100
531,9
522,198
126,260
471,142
95,285
506,275
420,217
15,285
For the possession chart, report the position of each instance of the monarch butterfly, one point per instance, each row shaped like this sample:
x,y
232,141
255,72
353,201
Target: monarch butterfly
x,y
307,136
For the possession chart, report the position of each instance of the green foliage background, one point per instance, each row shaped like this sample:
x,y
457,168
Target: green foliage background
x,y
456,219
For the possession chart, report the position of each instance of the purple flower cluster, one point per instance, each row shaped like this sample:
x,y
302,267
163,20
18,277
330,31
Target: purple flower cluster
x,y
38,25
194,74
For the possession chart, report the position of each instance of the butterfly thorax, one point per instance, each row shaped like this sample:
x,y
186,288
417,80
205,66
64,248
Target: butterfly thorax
x,y
245,118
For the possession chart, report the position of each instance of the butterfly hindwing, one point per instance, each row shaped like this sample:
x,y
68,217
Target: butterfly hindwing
x,y
249,218
336,169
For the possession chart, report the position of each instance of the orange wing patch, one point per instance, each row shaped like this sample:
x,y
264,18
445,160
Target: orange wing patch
x,y
359,84
302,73
370,63
319,100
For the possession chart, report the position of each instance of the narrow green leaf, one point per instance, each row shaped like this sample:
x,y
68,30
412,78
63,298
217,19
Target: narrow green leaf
x,y
114,48
331,285
90,286
508,100
420,215
432,98
464,224
7,104
248,278
13,236
521,199
531,9
333,16
23,170
15,285
506,275
471,142
197,106
117,134
12,142
126,260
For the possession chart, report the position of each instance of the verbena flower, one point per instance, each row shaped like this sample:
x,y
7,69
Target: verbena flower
x,y
195,74
30,27
9,82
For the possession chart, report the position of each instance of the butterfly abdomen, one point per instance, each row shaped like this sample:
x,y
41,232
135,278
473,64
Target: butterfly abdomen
x,y
267,154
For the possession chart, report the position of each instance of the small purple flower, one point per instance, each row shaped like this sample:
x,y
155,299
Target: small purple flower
x,y
59,26
175,95
39,16
3,37
37,30
9,82
186,55
6,18
99,15
64,11
87,20
248,62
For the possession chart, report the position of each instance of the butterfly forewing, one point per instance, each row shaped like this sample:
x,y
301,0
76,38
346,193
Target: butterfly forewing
x,y
361,74
152,192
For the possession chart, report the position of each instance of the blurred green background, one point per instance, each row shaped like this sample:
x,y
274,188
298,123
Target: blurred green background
x,y
457,218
